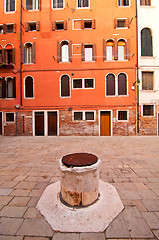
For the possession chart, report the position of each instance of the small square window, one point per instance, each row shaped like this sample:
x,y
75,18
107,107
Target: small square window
x,y
78,116
88,24
77,83
9,117
88,83
122,115
32,26
121,23
148,110
9,28
89,116
59,25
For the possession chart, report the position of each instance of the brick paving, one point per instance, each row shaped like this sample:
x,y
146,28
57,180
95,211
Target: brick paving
x,y
29,164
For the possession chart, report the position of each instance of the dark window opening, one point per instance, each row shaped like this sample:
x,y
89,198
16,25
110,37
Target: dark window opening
x,y
146,42
32,26
9,117
148,110
77,83
9,28
10,5
110,84
88,83
65,86
78,116
123,2
122,115
29,87
1,88
83,3
145,2
57,3
147,80
88,24
122,84
89,116
121,23
59,25
9,56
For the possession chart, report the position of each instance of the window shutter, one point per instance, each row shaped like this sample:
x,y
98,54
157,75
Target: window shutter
x,y
3,88
122,85
93,23
115,23
128,49
13,52
4,28
65,86
104,50
58,52
94,52
65,25
14,27
26,26
82,24
70,51
22,54
115,49
82,52
33,53
4,55
38,26
53,26
14,87
39,4
128,22
3,58
110,84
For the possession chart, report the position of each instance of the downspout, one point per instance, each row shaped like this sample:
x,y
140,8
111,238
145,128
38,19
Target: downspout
x,y
137,81
21,46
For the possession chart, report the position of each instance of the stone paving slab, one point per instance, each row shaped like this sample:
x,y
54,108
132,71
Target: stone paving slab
x,y
29,164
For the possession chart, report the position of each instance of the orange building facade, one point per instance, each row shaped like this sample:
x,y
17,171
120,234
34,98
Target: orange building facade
x,y
68,67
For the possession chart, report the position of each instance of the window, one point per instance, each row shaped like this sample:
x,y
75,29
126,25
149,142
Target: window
x,y
9,117
33,4
121,23
32,26
88,52
145,2
64,51
122,115
59,25
122,84
84,116
1,87
1,55
146,42
8,28
58,4
77,83
29,87
147,80
88,24
121,50
110,50
9,54
65,86
1,29
83,83
123,3
110,85
10,88
10,5
83,3
148,110
29,53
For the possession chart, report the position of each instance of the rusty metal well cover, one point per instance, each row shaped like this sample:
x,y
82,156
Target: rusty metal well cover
x,y
79,159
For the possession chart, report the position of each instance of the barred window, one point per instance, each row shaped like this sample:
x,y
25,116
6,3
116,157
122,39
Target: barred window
x,y
148,110
122,115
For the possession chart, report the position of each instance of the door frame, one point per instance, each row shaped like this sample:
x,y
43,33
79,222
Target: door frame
x,y
111,118
2,124
45,121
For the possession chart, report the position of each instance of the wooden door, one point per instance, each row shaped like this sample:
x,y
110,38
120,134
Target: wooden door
x,y
52,123
39,123
105,125
0,123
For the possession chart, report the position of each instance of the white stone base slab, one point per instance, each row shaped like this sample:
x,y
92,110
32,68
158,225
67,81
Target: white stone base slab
x,y
94,218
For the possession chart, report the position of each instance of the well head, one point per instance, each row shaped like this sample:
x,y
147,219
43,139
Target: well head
x,y
79,159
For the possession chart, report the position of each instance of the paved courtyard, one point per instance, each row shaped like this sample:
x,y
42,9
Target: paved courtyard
x,y
29,164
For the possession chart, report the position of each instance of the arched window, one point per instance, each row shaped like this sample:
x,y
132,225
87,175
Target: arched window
x,y
65,86
29,54
110,84
146,42
121,49
29,87
9,54
122,84
110,50
11,88
64,52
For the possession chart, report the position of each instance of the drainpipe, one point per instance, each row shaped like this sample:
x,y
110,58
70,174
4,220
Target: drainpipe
x,y
21,46
137,81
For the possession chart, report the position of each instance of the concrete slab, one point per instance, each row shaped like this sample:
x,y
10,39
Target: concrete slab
x,y
94,218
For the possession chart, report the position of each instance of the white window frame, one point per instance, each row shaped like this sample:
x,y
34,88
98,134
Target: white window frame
x,y
6,118
83,7
57,8
83,83
84,115
123,110
5,9
124,6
